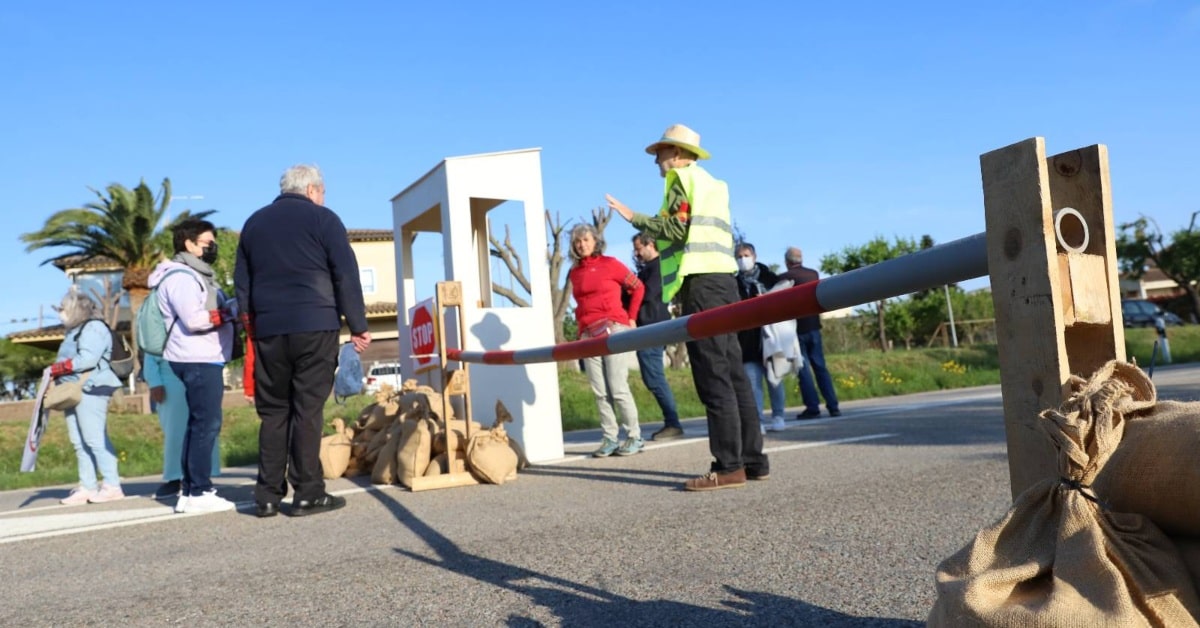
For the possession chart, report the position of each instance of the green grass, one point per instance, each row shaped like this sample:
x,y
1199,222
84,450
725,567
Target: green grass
x,y
138,438
1185,344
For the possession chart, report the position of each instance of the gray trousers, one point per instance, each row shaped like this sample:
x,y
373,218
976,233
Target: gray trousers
x,y
609,378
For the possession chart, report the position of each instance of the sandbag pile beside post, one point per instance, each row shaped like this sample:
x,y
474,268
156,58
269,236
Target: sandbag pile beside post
x,y
1066,554
402,436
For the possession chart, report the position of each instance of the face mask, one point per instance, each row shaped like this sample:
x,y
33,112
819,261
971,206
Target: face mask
x,y
745,264
208,254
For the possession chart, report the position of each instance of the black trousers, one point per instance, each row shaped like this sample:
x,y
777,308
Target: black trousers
x,y
293,376
733,420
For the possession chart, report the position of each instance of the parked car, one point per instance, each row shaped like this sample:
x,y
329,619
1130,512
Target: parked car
x,y
1141,313
380,374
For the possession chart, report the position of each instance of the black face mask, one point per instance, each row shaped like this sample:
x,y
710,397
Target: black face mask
x,y
208,254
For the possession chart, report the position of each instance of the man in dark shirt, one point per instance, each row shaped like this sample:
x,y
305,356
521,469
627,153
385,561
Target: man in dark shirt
x,y
650,361
808,330
296,277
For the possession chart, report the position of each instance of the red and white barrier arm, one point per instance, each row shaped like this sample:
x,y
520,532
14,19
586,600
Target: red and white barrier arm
x,y
952,262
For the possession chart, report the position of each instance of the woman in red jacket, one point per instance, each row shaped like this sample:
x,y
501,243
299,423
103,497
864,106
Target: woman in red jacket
x,y
597,283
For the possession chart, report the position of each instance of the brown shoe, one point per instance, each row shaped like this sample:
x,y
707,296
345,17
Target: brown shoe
x,y
758,476
716,480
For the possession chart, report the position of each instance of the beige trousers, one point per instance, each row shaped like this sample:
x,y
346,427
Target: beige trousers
x,y
609,378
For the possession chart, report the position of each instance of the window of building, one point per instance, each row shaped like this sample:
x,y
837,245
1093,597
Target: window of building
x,y
366,276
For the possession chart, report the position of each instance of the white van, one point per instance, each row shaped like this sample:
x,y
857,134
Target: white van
x,y
380,374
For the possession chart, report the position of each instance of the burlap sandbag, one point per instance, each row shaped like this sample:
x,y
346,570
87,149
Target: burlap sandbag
x,y
1189,548
415,450
1155,472
440,465
373,417
384,471
358,446
335,451
1060,559
452,435
490,458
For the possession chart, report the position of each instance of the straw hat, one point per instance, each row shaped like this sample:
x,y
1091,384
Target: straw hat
x,y
681,136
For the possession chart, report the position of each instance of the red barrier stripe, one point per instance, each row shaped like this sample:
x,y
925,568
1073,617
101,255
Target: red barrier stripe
x,y
495,357
581,349
772,307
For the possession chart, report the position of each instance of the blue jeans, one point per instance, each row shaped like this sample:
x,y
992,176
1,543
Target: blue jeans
x,y
756,372
87,427
814,356
204,388
173,417
650,361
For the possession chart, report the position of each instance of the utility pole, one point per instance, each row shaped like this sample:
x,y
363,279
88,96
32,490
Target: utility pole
x,y
950,309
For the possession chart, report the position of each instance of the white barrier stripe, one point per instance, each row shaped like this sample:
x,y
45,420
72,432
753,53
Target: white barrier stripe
x,y
656,335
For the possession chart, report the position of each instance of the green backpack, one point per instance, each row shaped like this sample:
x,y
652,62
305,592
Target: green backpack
x,y
152,330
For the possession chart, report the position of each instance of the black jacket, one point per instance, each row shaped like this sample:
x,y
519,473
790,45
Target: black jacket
x,y
751,339
653,309
296,271
800,275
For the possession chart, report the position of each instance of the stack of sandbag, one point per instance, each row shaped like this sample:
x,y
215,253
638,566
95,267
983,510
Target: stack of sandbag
x,y
1084,549
402,436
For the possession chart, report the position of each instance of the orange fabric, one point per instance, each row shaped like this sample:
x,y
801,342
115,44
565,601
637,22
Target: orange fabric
x,y
248,368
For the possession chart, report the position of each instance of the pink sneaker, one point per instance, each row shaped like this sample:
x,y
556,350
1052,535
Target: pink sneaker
x,y
107,493
79,495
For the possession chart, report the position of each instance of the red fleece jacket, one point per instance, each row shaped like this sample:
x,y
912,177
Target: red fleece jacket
x,y
597,283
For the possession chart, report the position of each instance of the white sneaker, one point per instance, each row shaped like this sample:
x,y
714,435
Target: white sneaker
x,y
776,425
181,503
209,501
107,493
79,495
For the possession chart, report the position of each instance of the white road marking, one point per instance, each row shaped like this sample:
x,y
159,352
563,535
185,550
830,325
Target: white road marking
x,y
822,443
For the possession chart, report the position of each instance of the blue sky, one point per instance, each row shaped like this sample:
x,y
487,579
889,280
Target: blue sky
x,y
832,122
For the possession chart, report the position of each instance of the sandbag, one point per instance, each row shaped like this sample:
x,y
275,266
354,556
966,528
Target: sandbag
x,y
373,417
1155,472
440,465
490,458
1058,558
1189,549
452,435
335,450
414,453
384,471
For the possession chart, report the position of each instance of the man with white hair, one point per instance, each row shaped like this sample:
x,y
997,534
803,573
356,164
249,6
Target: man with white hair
x,y
695,242
296,277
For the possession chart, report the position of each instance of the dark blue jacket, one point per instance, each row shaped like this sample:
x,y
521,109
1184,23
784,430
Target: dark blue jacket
x,y
296,271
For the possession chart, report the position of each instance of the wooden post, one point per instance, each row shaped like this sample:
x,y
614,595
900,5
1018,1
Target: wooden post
x,y
1057,307
454,383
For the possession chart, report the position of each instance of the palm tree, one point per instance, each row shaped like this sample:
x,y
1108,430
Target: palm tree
x,y
123,226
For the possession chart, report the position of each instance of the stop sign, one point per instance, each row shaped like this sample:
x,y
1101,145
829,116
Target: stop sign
x,y
423,334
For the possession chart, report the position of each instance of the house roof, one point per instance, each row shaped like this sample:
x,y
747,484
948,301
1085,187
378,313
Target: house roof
x,y
80,262
50,336
369,235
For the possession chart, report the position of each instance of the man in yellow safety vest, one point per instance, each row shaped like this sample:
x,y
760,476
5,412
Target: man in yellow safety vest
x,y
695,242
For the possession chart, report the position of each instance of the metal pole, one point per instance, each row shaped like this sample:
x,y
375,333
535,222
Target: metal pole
x,y
950,309
952,262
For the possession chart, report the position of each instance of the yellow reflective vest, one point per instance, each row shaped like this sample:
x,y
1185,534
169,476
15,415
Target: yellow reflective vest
x,y
709,244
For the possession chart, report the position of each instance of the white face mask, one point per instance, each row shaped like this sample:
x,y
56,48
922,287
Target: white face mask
x,y
745,264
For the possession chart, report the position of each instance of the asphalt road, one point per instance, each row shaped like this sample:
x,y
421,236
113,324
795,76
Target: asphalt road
x,y
848,531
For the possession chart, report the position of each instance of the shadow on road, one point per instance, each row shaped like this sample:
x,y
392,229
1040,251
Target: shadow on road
x,y
619,476
578,604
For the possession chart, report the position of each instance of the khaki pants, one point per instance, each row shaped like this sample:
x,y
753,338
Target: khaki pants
x,y
609,378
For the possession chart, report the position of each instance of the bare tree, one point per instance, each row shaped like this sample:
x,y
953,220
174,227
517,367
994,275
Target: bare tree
x,y
560,294
109,300
512,259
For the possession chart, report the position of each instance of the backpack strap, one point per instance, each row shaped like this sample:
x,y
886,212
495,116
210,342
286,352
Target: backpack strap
x,y
79,332
175,317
